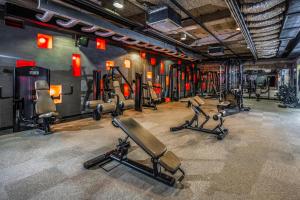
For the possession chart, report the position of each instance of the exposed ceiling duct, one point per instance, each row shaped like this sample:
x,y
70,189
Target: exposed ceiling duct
x,y
255,35
269,22
266,29
264,20
265,15
260,6
266,38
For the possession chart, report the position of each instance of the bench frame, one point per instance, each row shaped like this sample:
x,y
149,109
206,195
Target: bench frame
x,y
120,153
194,124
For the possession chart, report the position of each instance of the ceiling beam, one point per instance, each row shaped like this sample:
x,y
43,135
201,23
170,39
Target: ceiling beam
x,y
291,45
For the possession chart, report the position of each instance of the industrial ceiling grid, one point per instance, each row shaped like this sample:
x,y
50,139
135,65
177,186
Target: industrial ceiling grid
x,y
264,20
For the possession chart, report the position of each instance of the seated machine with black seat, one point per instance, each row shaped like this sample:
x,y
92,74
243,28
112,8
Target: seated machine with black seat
x,y
124,104
196,103
45,108
160,157
152,99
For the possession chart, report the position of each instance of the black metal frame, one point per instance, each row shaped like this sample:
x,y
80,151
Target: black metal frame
x,y
194,124
120,153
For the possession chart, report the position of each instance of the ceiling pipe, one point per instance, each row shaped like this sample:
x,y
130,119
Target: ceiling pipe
x,y
201,24
237,15
90,29
67,24
260,6
46,17
266,15
269,22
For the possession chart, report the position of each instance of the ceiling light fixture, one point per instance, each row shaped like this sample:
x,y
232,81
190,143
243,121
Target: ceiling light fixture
x,y
183,36
118,4
238,28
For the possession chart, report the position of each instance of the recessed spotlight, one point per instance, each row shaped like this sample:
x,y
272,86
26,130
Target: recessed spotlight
x,y
118,4
238,29
248,47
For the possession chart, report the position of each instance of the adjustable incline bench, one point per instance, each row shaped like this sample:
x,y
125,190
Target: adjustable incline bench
x,y
193,124
160,157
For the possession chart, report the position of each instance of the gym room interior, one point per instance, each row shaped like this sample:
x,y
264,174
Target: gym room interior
x,y
150,99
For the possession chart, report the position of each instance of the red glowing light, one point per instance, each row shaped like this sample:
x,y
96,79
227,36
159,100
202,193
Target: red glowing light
x,y
187,86
101,44
179,62
152,61
44,41
126,90
162,68
109,64
25,63
143,55
157,88
76,65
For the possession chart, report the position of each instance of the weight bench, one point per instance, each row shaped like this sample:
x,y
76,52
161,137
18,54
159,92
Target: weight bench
x,y
196,103
100,107
160,157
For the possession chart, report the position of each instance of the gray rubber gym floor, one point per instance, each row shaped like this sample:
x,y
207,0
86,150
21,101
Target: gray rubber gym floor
x,y
259,159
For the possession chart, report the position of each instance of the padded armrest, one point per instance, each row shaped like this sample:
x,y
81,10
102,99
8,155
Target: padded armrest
x,y
142,137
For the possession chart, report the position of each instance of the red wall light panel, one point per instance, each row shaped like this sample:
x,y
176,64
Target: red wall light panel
x,y
76,65
126,90
152,61
101,44
143,55
44,41
25,63
162,68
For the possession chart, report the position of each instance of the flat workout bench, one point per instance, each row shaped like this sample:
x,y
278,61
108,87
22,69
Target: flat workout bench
x,y
160,157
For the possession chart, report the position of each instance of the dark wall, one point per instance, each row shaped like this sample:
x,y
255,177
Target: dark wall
x,y
18,43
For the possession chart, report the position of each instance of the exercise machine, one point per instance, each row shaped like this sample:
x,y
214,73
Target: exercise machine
x,y
113,89
194,124
231,96
99,106
32,104
45,109
150,97
162,161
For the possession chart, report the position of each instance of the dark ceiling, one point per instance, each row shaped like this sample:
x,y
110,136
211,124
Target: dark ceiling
x,y
210,23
